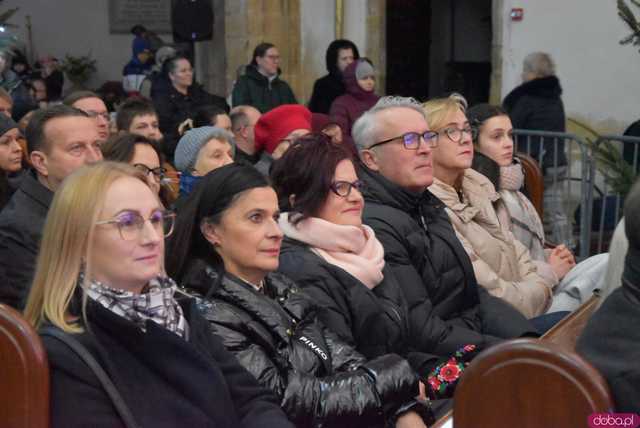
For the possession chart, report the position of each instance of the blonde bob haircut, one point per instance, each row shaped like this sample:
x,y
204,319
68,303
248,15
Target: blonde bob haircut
x,y
66,244
439,109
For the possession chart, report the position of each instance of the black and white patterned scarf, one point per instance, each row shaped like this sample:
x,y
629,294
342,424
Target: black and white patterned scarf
x,y
155,303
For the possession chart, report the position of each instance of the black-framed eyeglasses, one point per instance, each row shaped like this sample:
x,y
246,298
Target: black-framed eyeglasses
x,y
94,114
411,140
456,134
343,188
130,224
158,172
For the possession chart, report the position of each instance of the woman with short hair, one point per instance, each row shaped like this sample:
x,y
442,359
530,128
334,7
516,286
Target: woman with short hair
x,y
225,250
100,281
501,263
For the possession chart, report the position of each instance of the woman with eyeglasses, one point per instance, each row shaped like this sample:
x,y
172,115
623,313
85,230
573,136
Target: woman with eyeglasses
x,y
143,154
100,282
225,250
500,262
340,263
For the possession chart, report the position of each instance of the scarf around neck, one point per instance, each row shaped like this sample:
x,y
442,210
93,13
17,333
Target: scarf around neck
x,y
512,179
354,249
157,304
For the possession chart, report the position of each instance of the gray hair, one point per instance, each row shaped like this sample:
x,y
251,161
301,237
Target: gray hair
x,y
539,64
365,129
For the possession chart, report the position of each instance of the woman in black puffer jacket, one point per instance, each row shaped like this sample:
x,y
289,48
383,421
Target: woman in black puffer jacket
x,y
224,248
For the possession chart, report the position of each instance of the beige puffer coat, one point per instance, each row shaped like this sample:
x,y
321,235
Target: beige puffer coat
x,y
501,263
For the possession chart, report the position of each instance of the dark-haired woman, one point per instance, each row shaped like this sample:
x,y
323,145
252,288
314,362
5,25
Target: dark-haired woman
x,y
261,86
10,158
339,261
145,155
225,249
494,156
181,101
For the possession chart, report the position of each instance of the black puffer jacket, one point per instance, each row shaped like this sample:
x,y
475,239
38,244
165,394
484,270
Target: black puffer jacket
x,y
174,108
536,105
275,334
447,309
375,321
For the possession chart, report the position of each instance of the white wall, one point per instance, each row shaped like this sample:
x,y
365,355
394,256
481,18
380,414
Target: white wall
x,y
599,77
76,27
354,25
317,27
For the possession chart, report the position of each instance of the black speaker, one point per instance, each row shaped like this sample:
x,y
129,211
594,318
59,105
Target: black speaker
x,y
192,20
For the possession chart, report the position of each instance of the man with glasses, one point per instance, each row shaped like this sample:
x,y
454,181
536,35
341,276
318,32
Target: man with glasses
x,y
61,139
447,309
90,103
261,86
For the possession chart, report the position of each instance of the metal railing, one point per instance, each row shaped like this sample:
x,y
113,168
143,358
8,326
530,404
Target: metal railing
x,y
566,163
606,202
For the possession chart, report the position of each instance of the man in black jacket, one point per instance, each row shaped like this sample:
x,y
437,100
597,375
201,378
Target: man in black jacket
x,y
340,54
61,139
446,306
611,339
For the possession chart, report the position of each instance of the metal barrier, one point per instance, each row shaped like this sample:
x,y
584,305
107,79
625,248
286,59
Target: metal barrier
x,y
608,210
568,175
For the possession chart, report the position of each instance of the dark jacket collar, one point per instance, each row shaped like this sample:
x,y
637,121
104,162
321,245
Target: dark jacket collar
x,y
382,191
36,190
544,87
253,73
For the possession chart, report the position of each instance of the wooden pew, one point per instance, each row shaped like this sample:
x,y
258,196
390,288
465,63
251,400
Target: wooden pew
x,y
533,181
567,331
528,383
24,374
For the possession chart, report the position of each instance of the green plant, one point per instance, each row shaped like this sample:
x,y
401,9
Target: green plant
x,y
80,68
625,13
617,172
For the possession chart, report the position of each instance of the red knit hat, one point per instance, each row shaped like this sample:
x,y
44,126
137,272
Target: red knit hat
x,y
276,124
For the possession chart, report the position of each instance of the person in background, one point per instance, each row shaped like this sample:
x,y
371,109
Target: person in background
x,y
200,151
537,105
277,130
181,101
611,339
61,140
90,103
212,116
340,54
261,86
494,157
137,69
243,123
100,280
447,308
225,251
322,124
360,84
38,91
144,154
53,77
10,159
138,116
156,81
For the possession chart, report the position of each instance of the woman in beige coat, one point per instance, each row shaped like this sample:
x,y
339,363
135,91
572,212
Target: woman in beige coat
x,y
501,263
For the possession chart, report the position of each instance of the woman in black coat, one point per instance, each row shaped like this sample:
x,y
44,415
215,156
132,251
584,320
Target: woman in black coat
x,y
181,100
340,262
224,250
10,157
100,282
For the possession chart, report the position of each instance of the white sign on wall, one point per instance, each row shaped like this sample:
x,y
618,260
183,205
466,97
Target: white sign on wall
x,y
154,15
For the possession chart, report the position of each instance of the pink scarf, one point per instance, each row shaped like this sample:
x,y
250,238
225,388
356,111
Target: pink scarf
x,y
354,249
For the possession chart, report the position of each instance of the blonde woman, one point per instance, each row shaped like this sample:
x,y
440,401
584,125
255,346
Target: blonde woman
x,y
501,263
100,280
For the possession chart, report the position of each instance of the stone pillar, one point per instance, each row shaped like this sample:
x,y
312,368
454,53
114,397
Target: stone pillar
x,y
376,36
250,22
497,18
